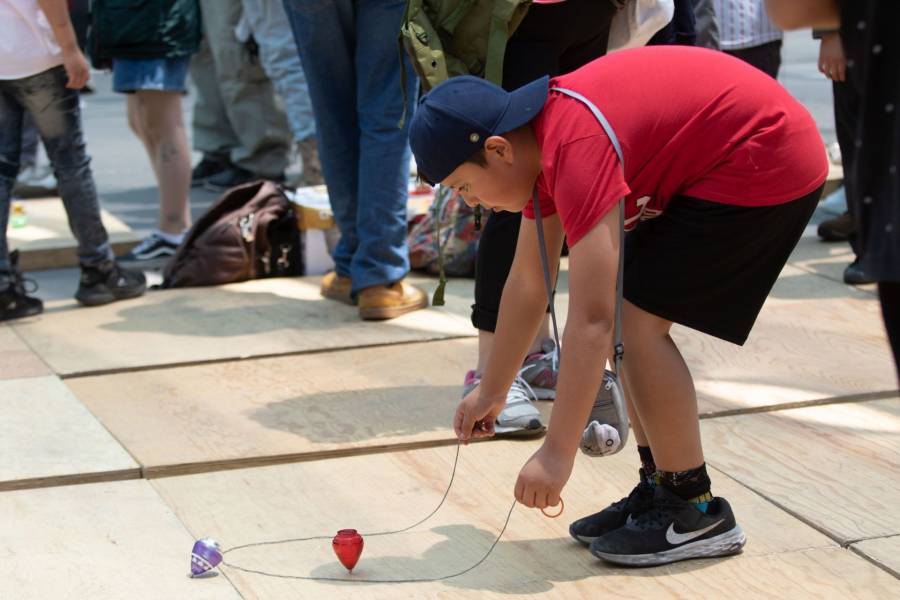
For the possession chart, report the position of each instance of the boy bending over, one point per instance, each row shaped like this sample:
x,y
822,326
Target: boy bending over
x,y
722,171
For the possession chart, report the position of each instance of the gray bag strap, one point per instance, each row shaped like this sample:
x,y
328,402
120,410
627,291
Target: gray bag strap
x,y
619,348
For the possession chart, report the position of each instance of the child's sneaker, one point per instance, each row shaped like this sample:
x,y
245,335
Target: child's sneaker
x,y
672,529
520,417
589,528
15,302
108,283
541,370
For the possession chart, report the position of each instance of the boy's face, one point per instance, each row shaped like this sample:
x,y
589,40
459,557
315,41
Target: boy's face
x,y
504,183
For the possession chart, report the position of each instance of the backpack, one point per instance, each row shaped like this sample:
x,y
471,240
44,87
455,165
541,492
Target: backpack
x,y
446,38
249,233
447,229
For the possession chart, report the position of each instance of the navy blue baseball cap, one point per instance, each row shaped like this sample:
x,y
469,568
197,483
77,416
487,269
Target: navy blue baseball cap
x,y
452,121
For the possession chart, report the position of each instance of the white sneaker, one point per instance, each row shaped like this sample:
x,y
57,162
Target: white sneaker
x,y
520,417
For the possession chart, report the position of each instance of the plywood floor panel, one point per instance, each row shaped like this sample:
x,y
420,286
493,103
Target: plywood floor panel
x,y
105,541
535,556
825,259
260,317
885,551
835,466
46,433
17,361
310,404
814,339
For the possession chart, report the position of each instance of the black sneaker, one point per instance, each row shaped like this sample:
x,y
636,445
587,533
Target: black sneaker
x,y
152,251
854,274
15,302
205,169
587,529
228,178
108,283
672,529
837,229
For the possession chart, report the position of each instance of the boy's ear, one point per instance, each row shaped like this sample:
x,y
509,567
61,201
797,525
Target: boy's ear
x,y
499,147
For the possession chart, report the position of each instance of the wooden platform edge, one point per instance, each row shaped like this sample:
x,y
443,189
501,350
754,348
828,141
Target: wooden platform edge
x,y
847,399
861,553
70,479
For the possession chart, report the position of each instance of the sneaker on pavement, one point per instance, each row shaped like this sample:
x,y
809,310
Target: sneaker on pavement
x,y
108,283
234,176
837,229
672,529
520,417
854,274
380,302
337,287
35,180
205,169
152,251
589,528
541,371
15,302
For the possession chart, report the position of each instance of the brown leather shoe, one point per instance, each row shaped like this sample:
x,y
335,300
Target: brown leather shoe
x,y
388,301
337,287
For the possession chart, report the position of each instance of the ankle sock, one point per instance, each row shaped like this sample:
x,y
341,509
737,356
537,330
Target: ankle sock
x,y
172,238
692,485
648,472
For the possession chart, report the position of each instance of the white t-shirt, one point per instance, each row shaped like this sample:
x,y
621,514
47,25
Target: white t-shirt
x,y
744,24
27,44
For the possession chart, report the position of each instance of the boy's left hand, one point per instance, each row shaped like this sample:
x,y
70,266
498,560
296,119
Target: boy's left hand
x,y
543,477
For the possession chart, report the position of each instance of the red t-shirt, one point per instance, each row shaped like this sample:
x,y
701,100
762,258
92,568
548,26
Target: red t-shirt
x,y
691,122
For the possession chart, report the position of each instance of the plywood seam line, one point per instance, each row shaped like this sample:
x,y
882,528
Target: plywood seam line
x,y
777,504
872,537
70,479
874,561
16,333
847,399
218,361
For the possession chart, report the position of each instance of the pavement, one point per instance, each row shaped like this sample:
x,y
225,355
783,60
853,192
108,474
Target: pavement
x,y
268,418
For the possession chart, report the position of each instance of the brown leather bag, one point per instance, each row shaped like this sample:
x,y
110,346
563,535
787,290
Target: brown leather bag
x,y
249,233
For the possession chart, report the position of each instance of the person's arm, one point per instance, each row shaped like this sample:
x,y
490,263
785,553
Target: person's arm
x,y
832,62
796,14
593,266
57,12
522,308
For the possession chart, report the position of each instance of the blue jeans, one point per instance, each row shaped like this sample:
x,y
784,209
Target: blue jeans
x,y
272,32
350,54
55,111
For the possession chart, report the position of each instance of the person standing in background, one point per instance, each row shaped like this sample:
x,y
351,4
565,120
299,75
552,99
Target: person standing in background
x,y
150,46
355,75
870,33
266,22
746,32
706,25
41,69
239,127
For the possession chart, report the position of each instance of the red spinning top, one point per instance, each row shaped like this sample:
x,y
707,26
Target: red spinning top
x,y
348,546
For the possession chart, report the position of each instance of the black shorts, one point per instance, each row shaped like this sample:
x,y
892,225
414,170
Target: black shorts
x,y
710,266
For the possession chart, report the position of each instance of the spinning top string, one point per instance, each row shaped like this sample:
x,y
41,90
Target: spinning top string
x,y
373,534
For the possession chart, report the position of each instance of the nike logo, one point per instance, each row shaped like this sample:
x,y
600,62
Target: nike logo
x,y
677,539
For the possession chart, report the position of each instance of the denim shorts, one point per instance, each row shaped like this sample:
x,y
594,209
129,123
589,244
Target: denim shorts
x,y
162,74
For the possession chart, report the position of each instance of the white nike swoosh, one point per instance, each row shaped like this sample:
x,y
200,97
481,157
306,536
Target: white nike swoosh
x,y
677,539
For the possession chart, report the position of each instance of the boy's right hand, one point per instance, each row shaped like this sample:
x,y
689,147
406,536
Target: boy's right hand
x,y
476,415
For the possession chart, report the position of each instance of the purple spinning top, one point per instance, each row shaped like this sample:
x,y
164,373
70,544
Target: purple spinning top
x,y
206,555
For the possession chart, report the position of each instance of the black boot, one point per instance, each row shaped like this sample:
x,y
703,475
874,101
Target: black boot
x,y
15,302
109,282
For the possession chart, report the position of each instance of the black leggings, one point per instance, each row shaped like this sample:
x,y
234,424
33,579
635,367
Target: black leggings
x,y
552,39
889,292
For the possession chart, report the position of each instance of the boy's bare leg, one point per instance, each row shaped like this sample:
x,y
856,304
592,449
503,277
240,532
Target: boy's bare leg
x,y
662,390
486,342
